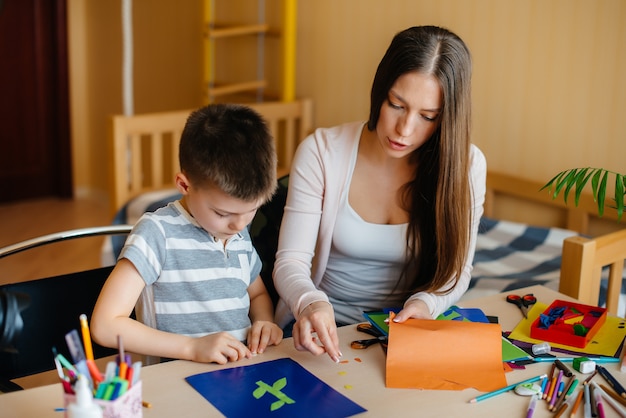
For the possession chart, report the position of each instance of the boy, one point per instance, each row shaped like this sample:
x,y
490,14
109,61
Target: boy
x,y
192,261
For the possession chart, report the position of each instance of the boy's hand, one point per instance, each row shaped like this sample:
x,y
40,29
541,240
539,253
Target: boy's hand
x,y
219,348
262,334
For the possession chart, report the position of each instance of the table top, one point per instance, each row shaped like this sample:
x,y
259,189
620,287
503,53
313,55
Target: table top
x,y
360,377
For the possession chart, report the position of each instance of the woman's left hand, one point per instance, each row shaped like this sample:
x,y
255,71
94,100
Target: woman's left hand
x,y
415,309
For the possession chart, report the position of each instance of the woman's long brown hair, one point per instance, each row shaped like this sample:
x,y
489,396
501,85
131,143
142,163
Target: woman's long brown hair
x,y
438,197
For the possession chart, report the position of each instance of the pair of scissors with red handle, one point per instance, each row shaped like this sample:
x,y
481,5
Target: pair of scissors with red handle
x,y
522,302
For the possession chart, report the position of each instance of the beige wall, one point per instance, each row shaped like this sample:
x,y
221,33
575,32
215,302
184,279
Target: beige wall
x,y
549,91
167,72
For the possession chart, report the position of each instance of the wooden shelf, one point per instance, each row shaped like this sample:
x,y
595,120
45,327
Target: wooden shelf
x,y
227,31
215,32
220,90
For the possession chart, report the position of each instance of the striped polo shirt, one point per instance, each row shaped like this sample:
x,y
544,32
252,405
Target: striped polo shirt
x,y
198,287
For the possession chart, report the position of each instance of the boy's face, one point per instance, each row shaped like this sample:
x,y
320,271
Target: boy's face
x,y
220,214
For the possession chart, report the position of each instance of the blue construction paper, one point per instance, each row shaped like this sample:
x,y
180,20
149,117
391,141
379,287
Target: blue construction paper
x,y
273,389
455,313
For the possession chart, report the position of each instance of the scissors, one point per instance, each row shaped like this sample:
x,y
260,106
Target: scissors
x,y
522,302
371,330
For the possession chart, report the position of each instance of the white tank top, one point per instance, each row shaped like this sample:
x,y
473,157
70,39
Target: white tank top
x,y
364,264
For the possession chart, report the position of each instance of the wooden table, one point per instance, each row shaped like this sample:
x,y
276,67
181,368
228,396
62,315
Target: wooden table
x,y
361,377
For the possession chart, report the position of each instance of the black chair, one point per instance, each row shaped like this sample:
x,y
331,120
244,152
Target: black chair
x,y
35,315
264,230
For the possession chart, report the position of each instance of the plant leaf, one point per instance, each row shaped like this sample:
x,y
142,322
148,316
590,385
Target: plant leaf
x,y
581,181
562,181
602,193
619,195
570,180
594,183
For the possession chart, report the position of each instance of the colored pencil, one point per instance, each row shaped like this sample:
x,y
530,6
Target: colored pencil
x,y
505,389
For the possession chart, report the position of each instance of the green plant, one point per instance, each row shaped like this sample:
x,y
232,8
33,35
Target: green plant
x,y
577,179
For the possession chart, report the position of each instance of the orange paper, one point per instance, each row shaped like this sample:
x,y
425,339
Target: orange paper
x,y
444,355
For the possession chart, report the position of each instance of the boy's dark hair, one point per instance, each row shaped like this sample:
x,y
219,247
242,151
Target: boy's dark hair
x,y
229,146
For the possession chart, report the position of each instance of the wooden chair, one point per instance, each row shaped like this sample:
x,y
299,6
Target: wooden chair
x,y
144,147
582,263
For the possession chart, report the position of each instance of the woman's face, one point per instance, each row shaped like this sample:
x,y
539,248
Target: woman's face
x,y
410,114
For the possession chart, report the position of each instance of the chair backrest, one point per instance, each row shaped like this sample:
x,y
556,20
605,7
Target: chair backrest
x,y
144,147
582,263
54,306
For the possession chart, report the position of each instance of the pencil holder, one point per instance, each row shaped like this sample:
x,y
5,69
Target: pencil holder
x,y
128,405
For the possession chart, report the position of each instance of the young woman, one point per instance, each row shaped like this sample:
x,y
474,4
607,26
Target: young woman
x,y
385,213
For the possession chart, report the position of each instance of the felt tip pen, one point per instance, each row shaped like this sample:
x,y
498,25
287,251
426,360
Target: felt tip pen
x,y
66,363
614,404
566,371
617,386
531,406
587,404
608,391
505,389
599,405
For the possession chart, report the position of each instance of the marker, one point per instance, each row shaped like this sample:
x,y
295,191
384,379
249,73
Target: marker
x,y
505,389
531,406
571,389
587,405
598,398
122,359
608,391
614,404
66,363
566,371
612,381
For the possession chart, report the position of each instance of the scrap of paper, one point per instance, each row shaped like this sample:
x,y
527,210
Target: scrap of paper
x,y
427,354
274,389
606,342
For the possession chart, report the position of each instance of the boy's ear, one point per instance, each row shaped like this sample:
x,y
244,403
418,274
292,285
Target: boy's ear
x,y
182,183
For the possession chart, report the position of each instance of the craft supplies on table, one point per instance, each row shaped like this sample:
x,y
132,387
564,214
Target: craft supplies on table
x,y
569,323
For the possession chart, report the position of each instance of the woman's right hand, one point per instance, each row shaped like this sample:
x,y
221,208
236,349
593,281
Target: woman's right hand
x,y
316,323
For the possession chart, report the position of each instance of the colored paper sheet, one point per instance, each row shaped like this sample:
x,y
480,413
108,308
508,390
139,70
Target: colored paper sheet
x,y
511,352
444,355
455,313
606,342
273,389
377,318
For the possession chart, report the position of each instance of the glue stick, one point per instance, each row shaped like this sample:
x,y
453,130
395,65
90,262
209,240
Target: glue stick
x,y
542,348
